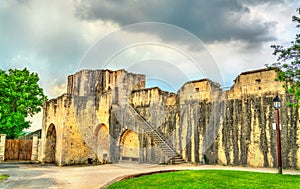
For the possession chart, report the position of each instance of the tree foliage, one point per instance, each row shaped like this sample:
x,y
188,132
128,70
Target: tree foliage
x,y
20,97
288,63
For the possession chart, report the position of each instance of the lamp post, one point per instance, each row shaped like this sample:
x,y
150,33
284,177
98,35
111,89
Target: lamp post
x,y
277,104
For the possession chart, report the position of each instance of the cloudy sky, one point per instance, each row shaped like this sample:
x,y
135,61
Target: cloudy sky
x,y
167,40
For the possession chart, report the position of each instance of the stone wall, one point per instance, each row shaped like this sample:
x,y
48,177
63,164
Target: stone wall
x,y
258,82
159,109
68,144
247,137
76,115
231,127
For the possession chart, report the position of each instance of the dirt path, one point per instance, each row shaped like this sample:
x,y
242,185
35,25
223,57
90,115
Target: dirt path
x,y
37,176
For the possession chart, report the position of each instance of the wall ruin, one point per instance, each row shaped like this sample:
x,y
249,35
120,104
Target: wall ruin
x,y
109,116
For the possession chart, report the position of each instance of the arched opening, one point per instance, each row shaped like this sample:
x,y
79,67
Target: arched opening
x,y
102,148
50,144
129,146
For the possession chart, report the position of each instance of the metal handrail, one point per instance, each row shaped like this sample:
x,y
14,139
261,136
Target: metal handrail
x,y
157,134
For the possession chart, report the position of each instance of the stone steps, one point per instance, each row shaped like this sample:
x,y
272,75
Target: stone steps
x,y
158,138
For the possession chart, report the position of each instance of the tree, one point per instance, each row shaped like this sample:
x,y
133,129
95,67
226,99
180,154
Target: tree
x,y
20,97
288,64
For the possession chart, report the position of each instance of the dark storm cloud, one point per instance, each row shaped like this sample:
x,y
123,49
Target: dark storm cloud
x,y
259,2
214,20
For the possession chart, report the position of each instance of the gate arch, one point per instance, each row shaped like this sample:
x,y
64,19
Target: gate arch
x,y
50,144
102,142
129,146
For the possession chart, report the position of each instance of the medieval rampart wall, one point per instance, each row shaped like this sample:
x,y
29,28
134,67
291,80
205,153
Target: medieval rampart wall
x,y
78,115
231,127
69,146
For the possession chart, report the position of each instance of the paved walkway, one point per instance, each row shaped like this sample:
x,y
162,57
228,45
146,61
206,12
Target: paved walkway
x,y
41,176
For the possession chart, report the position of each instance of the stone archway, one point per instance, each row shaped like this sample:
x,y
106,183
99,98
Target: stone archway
x,y
129,146
50,144
102,143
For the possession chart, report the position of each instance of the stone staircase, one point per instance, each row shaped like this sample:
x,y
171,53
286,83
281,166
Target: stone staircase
x,y
158,138
172,155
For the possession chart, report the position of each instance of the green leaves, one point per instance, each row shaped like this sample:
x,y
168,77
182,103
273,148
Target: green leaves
x,y
289,64
20,97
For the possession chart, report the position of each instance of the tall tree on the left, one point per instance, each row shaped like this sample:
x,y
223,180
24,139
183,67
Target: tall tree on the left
x,y
20,97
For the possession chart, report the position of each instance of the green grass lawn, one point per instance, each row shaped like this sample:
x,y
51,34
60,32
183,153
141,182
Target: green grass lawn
x,y
211,179
3,177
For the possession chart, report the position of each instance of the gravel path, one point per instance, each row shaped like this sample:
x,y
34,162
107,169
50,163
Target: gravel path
x,y
27,175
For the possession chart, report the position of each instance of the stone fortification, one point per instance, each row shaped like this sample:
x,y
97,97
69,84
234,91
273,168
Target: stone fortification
x,y
109,116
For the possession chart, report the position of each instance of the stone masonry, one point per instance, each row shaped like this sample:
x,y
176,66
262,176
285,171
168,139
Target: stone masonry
x,y
109,117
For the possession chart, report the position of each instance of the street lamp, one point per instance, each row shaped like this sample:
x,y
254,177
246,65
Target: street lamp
x,y
277,104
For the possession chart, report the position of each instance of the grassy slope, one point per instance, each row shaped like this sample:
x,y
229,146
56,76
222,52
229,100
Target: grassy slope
x,y
211,179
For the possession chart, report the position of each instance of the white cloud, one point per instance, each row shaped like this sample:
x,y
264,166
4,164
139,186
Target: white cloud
x,y
51,37
232,59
